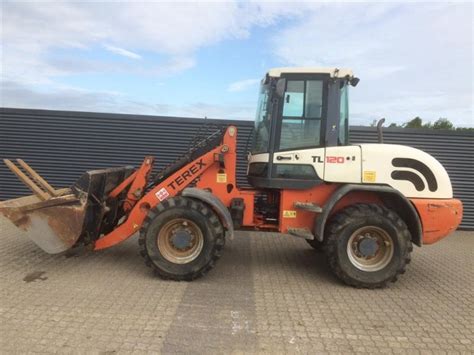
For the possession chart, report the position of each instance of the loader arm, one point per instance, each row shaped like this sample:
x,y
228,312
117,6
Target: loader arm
x,y
137,182
166,188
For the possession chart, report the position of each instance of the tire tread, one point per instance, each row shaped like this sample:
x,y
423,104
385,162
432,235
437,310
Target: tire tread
x,y
351,214
207,213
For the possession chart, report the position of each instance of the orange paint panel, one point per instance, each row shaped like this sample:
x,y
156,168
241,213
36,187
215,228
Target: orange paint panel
x,y
319,195
439,218
304,219
211,179
137,188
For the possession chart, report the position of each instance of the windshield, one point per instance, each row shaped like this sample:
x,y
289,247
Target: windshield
x,y
261,134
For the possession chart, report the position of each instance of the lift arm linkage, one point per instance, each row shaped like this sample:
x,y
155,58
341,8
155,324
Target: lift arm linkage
x,y
169,187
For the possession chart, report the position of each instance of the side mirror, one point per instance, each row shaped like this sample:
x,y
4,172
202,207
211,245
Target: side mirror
x,y
280,87
354,81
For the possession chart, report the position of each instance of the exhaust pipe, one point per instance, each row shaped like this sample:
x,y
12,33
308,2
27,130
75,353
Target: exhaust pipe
x,y
380,129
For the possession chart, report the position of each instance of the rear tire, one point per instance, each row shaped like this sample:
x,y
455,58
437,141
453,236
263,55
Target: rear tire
x,y
367,245
181,239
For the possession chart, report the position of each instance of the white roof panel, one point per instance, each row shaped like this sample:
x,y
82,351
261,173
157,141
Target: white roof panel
x,y
333,72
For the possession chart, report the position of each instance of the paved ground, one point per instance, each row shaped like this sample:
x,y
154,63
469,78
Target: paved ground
x,y
269,294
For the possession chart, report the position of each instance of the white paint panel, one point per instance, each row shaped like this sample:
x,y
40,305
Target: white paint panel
x,y
257,158
372,164
377,168
343,164
333,72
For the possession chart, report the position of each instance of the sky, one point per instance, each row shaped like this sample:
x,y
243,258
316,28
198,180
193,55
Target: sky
x,y
206,59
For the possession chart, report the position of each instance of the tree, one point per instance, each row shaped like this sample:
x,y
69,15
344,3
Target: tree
x,y
417,122
443,123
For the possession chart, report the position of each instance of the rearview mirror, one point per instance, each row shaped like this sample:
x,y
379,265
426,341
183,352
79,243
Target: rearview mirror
x,y
280,87
354,81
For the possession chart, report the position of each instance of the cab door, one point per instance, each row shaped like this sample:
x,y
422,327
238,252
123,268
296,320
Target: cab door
x,y
299,128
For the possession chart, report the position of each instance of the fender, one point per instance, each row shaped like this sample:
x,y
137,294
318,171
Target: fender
x,y
410,216
216,205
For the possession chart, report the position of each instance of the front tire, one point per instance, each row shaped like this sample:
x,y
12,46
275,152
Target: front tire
x,y
181,239
367,245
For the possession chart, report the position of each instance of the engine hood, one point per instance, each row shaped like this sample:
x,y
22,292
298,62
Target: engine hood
x,y
409,170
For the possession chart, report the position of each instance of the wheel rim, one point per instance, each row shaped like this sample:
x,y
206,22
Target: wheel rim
x,y
180,241
370,248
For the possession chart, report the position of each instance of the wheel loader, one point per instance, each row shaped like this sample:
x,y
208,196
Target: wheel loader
x,y
364,205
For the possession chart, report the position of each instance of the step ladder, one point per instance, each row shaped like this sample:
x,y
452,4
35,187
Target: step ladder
x,y
308,206
305,232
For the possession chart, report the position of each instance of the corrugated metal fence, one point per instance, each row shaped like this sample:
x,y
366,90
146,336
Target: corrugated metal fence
x,y
61,145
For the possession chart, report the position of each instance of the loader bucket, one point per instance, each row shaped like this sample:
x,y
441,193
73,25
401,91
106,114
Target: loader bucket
x,y
54,225
57,220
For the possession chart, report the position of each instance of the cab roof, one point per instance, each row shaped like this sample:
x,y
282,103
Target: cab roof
x,y
332,71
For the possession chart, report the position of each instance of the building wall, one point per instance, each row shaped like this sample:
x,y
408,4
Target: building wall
x,y
61,145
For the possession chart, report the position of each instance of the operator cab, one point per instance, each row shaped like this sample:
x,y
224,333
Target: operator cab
x,y
299,110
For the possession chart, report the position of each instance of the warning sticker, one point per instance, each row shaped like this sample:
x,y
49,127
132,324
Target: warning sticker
x,y
221,178
369,176
162,194
289,214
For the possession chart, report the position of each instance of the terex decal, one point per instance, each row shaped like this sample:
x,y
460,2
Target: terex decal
x,y
187,175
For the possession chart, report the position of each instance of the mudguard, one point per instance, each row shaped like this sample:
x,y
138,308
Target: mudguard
x,y
215,203
410,214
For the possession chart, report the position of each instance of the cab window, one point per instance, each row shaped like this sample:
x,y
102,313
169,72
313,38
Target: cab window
x,y
294,99
343,138
302,114
261,133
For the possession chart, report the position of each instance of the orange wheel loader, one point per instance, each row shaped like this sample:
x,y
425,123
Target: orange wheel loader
x,y
364,205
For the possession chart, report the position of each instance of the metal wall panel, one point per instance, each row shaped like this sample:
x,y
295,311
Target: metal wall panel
x,y
61,145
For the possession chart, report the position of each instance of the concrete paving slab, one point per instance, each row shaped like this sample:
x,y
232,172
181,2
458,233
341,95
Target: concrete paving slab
x,y
269,293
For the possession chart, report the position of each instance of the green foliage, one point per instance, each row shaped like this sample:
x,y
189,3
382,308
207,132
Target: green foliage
x,y
417,122
441,123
